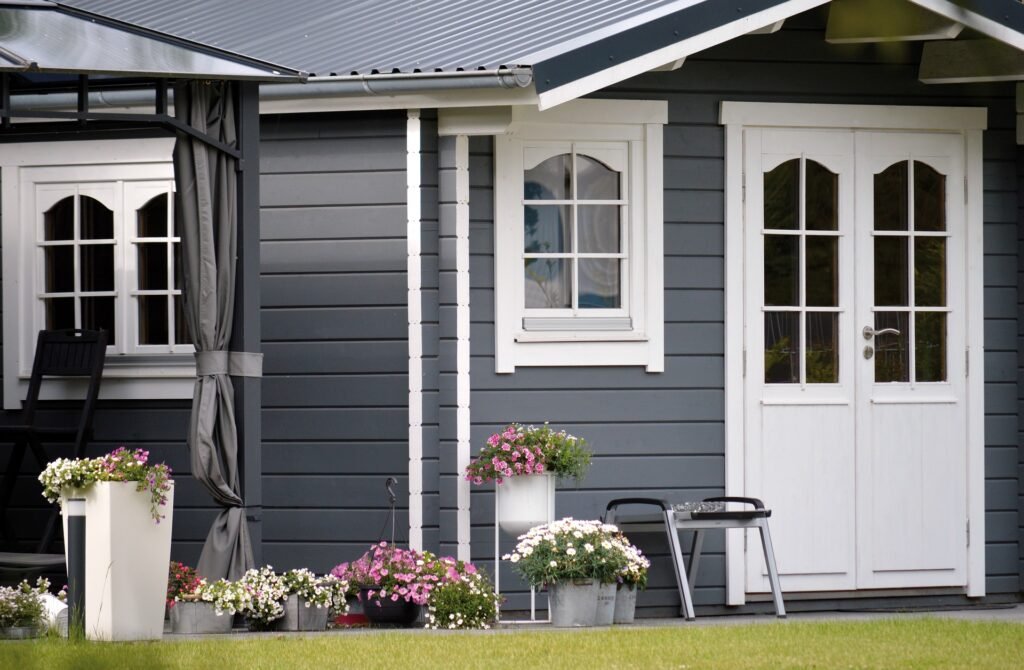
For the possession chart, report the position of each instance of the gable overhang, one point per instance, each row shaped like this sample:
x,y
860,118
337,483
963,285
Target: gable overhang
x,y
600,61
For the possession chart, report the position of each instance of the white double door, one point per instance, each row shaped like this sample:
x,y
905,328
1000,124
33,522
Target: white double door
x,y
855,407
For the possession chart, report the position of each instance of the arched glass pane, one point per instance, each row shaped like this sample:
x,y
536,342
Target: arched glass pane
x,y
891,198
822,197
782,196
595,180
59,220
549,180
97,220
152,217
929,198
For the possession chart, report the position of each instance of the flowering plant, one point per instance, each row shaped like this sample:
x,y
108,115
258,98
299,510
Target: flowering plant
x,y
22,605
633,565
567,549
182,580
466,602
529,450
264,602
397,574
317,592
225,596
119,465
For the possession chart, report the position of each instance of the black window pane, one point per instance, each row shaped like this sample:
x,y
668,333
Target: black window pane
x,y
781,348
60,313
549,180
822,271
152,217
152,319
98,313
59,269
891,198
179,282
929,198
822,347
152,268
97,267
930,271
59,220
782,270
181,334
891,274
930,347
782,196
97,220
822,198
892,355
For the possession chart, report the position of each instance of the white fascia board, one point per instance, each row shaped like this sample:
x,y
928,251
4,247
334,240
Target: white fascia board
x,y
673,52
982,24
487,97
877,117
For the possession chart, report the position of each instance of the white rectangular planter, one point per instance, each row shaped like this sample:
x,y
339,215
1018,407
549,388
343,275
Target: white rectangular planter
x,y
127,555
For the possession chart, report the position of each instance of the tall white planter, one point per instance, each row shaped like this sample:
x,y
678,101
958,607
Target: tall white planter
x,y
127,555
524,502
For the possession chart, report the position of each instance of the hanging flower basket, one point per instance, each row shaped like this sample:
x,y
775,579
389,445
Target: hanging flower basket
x,y
387,612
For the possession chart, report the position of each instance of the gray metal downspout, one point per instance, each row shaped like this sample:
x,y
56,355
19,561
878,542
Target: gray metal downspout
x,y
317,87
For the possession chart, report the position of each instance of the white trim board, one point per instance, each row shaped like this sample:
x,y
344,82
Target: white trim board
x,y
414,272
462,345
970,122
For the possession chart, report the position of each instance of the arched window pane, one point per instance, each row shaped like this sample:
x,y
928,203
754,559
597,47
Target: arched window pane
x,y
152,217
97,220
891,198
822,197
549,180
782,196
929,198
59,220
596,180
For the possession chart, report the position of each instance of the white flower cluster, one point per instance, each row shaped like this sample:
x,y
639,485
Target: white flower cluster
x,y
636,564
326,591
67,473
467,603
560,531
267,592
226,597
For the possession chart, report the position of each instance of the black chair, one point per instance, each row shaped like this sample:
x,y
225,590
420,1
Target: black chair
x,y
60,354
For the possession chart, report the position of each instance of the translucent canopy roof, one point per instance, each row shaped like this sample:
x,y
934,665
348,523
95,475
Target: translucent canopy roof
x,y
42,37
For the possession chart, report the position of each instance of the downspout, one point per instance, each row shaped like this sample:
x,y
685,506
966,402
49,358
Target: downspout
x,y
317,87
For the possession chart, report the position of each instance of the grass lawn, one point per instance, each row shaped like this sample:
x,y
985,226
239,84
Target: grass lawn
x,y
908,643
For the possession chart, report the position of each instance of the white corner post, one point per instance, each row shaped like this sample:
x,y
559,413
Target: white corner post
x,y
462,342
414,276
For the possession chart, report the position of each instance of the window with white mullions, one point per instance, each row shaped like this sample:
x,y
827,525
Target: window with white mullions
x,y
910,240
801,274
574,238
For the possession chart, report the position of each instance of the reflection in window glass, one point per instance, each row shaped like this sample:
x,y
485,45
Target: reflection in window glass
x,y
595,180
892,355
930,347
781,348
549,180
930,271
547,229
891,274
782,196
822,348
548,283
891,198
599,228
822,271
782,270
599,283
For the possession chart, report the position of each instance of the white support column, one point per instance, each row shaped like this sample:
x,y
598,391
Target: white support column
x,y
462,340
415,308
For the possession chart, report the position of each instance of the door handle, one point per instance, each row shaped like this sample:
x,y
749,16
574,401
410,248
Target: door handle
x,y
870,332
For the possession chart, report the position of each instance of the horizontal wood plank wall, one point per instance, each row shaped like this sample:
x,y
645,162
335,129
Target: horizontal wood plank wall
x,y
335,337
662,435
430,294
1007,455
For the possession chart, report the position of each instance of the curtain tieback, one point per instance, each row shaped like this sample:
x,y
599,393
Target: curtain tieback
x,y
234,363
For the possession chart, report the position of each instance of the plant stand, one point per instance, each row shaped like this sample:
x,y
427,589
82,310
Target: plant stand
x,y
535,493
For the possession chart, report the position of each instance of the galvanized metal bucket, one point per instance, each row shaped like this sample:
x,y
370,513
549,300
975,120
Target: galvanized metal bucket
x,y
574,603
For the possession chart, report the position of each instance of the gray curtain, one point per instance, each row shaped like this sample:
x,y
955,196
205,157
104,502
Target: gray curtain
x,y
207,216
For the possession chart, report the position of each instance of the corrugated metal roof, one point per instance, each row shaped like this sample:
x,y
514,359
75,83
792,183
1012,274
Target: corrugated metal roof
x,y
381,36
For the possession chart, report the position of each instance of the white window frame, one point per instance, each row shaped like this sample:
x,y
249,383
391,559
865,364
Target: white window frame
x,y
631,335
131,371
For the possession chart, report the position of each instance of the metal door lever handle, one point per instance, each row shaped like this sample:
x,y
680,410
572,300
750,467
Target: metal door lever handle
x,y
870,332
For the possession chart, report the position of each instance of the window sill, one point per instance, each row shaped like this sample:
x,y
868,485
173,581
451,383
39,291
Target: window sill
x,y
592,336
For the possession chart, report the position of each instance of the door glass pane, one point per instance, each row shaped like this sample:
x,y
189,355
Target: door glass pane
x,y
929,198
891,198
930,347
822,271
930,271
892,357
152,259
181,335
59,269
782,196
782,270
152,217
547,229
99,313
152,319
598,228
97,267
822,347
549,180
595,180
548,282
822,198
59,220
97,220
599,283
60,313
891,275
781,348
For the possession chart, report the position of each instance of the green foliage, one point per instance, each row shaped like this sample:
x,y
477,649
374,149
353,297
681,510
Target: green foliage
x,y
22,605
469,602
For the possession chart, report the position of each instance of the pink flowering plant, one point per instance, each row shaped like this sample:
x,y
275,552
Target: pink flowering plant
x,y
395,574
120,465
529,450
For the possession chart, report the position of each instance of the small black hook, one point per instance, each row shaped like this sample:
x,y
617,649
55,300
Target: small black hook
x,y
391,481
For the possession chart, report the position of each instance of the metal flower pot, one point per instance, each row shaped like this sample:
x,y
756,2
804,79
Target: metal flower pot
x,y
199,618
625,603
573,603
605,613
297,616
19,632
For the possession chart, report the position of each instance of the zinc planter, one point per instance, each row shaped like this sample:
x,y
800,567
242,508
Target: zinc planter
x,y
127,555
299,617
625,603
199,618
525,501
19,633
605,613
573,604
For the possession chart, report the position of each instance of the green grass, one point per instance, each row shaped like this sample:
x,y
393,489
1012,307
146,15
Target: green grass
x,y
890,643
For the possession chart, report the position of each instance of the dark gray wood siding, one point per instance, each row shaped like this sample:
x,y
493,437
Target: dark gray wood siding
x,y
335,389
663,435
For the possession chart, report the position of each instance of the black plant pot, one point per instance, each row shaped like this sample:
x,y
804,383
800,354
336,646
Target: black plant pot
x,y
387,612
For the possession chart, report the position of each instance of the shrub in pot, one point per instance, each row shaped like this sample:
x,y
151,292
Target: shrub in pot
x,y
22,612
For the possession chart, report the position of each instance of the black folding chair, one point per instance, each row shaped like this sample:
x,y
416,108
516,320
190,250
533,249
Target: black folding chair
x,y
63,355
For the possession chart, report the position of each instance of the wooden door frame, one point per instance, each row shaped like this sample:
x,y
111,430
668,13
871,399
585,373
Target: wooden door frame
x,y
970,122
